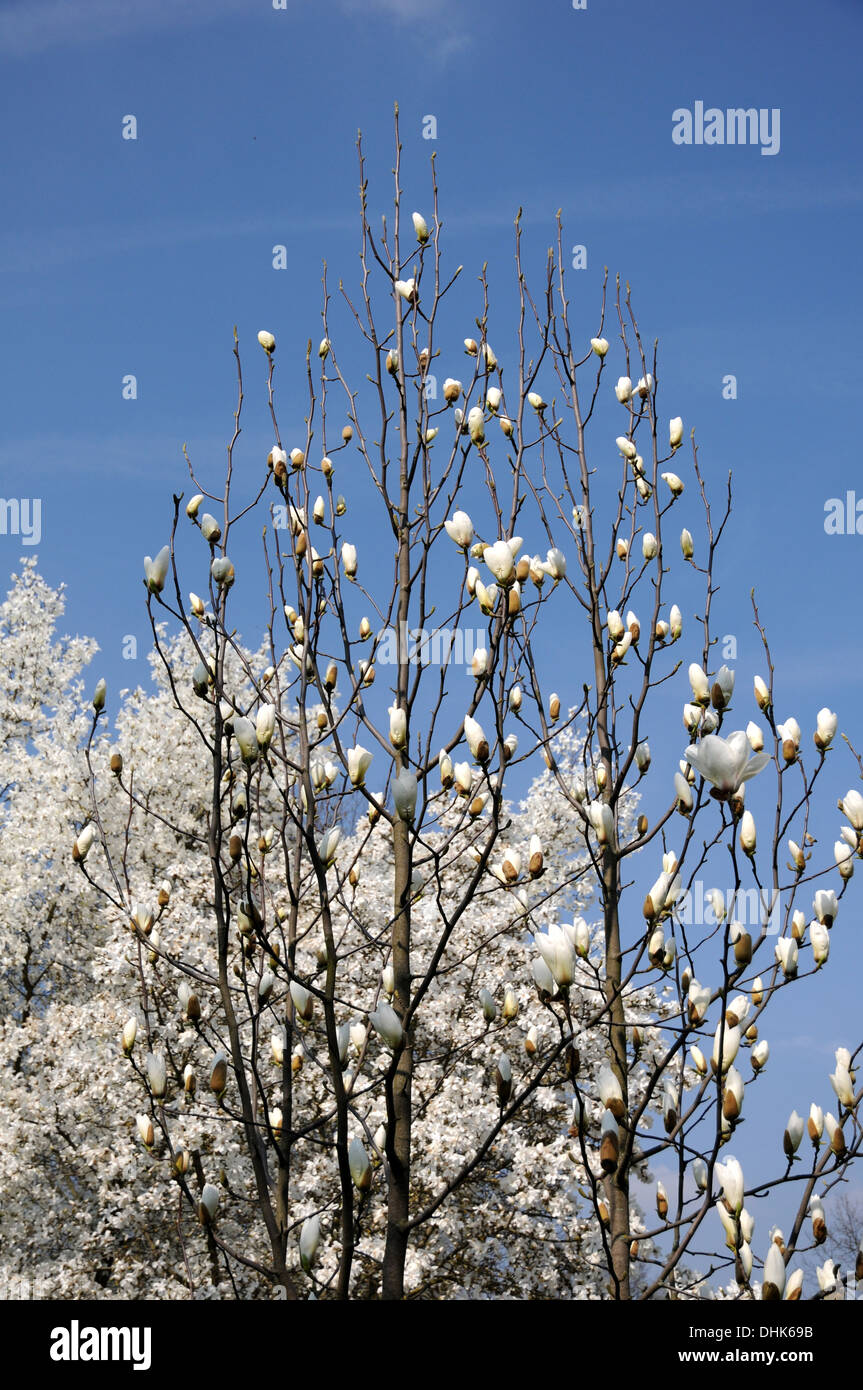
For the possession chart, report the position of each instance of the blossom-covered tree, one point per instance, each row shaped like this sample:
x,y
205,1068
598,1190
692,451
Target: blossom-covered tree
x,y
395,1033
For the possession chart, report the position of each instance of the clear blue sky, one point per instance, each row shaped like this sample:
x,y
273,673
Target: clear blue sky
x,y
122,256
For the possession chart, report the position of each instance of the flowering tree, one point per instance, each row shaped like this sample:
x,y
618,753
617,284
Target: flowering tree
x,y
381,1052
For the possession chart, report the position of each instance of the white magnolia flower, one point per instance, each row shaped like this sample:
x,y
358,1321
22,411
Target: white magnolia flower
x,y
773,1286
359,759
819,938
476,739
500,560
459,528
699,1173
555,564
675,432
556,950
787,955
310,1239
246,738
842,1084
329,845
725,761
599,346
265,724
398,726
156,571
387,1025
826,906
405,795
826,724
730,1175
793,1134
851,806
146,1133
623,389
420,227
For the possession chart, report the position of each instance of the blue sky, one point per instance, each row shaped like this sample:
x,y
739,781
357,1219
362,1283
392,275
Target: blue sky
x,y
121,256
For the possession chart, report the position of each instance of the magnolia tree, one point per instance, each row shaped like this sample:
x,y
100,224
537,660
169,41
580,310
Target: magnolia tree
x,y
380,1051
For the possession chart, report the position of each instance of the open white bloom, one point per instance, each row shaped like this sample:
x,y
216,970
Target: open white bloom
x,y
725,761
623,389
826,906
599,346
555,564
407,289
556,950
459,528
500,561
